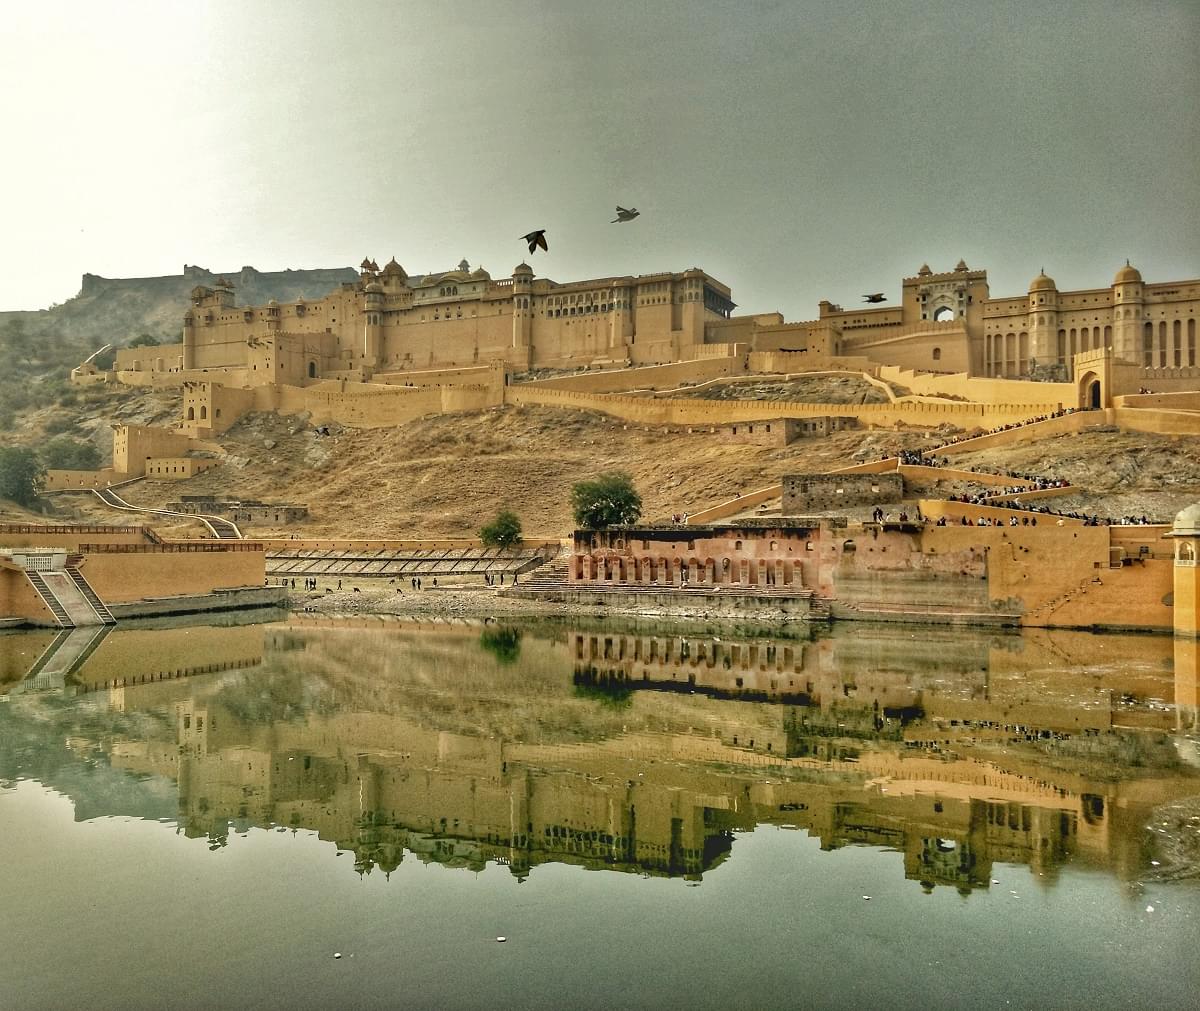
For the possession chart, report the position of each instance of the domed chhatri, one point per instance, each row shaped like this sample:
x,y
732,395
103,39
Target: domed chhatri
x,y
524,269
1042,283
1128,274
1187,521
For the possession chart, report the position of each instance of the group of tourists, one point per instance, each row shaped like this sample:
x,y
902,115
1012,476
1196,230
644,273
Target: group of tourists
x,y
976,434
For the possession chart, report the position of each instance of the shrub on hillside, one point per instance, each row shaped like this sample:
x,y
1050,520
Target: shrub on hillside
x,y
21,474
609,500
503,532
65,453
56,424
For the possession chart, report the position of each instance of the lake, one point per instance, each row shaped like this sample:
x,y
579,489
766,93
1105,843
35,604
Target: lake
x,y
320,813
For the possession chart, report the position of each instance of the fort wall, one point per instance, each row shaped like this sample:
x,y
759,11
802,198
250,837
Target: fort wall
x,y
1157,422
81,480
124,573
699,412
34,535
806,494
980,389
648,377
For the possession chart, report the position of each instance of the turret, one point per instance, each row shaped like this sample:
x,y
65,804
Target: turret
x,y
522,338
1043,329
1128,308
372,323
189,340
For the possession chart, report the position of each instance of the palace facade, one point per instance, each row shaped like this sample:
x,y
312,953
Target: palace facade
x,y
949,322
387,321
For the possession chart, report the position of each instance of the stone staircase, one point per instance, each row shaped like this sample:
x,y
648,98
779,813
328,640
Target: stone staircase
x,y
49,599
98,605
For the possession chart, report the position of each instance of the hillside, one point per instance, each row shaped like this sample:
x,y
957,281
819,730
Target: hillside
x,y
446,475
113,310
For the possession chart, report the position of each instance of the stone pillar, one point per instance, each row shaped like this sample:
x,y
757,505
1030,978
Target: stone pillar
x,y
1186,536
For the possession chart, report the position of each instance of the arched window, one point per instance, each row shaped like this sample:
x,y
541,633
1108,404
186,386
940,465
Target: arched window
x,y
937,354
312,370
191,414
943,314
203,413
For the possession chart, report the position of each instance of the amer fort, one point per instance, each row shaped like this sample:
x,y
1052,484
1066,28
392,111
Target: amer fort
x,y
873,540
890,694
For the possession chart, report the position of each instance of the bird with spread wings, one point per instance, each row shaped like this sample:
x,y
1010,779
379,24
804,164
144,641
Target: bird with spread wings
x,y
624,215
535,239
877,297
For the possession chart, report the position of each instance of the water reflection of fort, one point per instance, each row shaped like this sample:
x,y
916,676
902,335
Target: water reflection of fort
x,y
648,753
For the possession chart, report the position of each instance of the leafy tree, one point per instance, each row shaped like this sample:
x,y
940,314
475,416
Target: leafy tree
x,y
144,340
65,453
608,500
21,474
503,532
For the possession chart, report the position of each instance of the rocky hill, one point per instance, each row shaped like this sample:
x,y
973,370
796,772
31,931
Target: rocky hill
x,y
114,310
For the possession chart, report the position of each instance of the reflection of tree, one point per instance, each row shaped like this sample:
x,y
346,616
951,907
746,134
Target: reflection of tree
x,y
617,694
274,697
503,643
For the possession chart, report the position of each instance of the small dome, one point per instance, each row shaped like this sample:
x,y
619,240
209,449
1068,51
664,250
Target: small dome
x,y
374,286
961,265
924,271
523,269
1127,274
1187,521
392,267
479,274
366,264
1042,283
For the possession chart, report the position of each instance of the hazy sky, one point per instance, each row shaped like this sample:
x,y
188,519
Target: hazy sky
x,y
795,150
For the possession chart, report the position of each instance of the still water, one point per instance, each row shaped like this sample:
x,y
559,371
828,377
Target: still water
x,y
328,814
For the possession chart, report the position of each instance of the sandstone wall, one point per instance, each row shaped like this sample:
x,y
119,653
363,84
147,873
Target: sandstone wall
x,y
650,377
120,574
699,412
81,480
980,389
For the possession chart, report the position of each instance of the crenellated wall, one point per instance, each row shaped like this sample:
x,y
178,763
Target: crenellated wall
x,y
661,411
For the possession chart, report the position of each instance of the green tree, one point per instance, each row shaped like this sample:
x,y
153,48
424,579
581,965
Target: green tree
x,y
609,500
144,340
65,453
503,532
21,474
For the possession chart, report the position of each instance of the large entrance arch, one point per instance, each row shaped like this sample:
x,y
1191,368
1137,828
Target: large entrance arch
x,y
1090,393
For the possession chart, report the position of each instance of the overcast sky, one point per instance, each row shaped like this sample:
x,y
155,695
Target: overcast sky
x,y
795,150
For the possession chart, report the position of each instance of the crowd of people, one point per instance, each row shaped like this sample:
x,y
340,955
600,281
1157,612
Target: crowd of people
x,y
1060,413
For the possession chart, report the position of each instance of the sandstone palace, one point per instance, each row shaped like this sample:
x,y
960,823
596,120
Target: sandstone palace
x,y
387,321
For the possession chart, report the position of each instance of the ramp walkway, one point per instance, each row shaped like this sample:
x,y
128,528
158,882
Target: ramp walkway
x,y
218,526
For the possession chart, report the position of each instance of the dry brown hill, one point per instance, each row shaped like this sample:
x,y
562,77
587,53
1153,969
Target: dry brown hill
x,y
446,475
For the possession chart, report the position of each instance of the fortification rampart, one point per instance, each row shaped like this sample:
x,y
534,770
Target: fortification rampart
x,y
649,377
979,389
81,480
699,412
802,361
1157,422
1187,401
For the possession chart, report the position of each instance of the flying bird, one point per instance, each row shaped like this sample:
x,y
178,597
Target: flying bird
x,y
877,297
535,239
625,215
